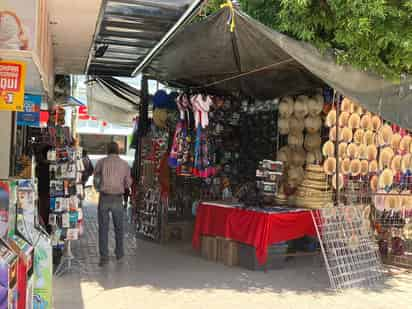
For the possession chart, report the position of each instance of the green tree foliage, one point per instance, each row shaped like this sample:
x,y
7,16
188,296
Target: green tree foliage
x,y
373,35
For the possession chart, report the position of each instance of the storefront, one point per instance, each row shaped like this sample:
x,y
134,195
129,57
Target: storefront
x,y
255,131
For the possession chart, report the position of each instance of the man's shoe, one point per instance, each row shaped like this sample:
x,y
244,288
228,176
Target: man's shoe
x,y
103,261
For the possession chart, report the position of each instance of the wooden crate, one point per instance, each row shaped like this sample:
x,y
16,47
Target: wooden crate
x,y
209,248
227,251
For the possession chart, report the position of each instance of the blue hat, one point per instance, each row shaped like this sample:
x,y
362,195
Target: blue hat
x,y
160,99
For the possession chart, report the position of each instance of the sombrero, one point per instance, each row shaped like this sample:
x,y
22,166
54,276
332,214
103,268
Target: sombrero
x,y
405,143
329,166
316,168
341,181
332,134
295,139
374,183
284,154
406,163
355,167
346,105
342,150
354,121
356,108
352,151
315,105
298,157
318,155
283,126
396,164
393,200
406,199
328,149
286,107
373,166
386,134
386,178
313,124
371,152
376,123
369,138
310,158
344,119
396,141
312,141
364,167
295,176
366,121
331,118
301,107
347,134
296,125
363,151
345,166
160,117
358,136
385,157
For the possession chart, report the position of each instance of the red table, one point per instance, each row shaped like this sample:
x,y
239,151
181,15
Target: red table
x,y
255,228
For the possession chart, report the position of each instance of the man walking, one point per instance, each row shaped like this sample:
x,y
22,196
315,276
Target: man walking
x,y
114,178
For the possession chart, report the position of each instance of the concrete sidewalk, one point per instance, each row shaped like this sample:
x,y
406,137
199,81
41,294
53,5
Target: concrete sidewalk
x,y
173,276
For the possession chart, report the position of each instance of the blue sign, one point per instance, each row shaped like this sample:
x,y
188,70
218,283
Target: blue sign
x,y
31,115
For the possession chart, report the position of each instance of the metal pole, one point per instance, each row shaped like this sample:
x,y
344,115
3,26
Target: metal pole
x,y
337,147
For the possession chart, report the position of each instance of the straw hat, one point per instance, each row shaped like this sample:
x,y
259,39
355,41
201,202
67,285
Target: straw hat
x,y
318,155
352,151
332,134
331,118
356,108
406,199
310,158
313,124
328,149
301,107
342,150
386,178
405,143
312,141
286,107
344,119
315,105
393,201
358,136
160,117
284,154
373,166
341,181
371,152
396,164
355,167
295,139
406,163
295,176
354,121
283,126
346,105
385,157
396,141
369,138
347,135
374,183
329,166
376,123
298,157
345,166
366,121
385,135
364,167
363,151
296,125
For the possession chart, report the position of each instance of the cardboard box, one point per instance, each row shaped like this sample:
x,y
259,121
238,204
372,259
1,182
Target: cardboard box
x,y
209,248
227,252
181,231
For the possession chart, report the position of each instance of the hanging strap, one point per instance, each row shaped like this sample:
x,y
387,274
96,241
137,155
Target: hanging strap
x,y
231,20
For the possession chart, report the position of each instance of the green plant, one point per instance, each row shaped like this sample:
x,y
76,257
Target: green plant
x,y
373,35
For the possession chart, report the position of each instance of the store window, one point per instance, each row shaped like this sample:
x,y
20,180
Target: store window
x,y
95,144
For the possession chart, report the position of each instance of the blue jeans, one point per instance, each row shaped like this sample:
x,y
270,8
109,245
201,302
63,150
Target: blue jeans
x,y
110,203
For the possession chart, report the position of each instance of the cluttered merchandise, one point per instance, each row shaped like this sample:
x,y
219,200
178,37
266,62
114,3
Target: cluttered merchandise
x,y
228,172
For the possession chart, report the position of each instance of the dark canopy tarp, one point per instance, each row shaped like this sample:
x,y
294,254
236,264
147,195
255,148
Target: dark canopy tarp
x,y
259,62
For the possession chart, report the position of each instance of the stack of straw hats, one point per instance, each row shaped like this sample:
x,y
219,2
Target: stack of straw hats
x,y
314,192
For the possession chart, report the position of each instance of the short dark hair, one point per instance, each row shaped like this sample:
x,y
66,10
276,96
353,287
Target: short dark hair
x,y
113,148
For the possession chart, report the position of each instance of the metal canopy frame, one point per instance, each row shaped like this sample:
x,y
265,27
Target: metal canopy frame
x,y
129,33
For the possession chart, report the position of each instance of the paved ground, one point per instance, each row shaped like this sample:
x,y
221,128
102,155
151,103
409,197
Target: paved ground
x,y
173,276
